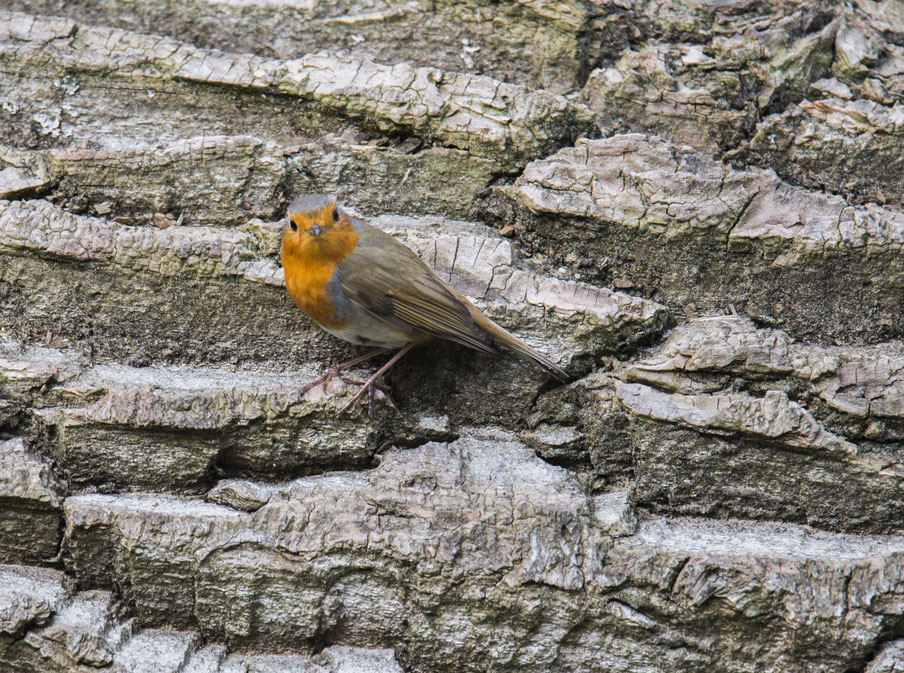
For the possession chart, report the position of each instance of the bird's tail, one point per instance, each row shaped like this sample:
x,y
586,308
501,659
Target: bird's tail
x,y
515,344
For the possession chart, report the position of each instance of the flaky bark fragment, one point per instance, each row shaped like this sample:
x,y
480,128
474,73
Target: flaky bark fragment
x,y
399,538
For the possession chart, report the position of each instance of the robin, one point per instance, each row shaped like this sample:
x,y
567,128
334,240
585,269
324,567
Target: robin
x,y
360,284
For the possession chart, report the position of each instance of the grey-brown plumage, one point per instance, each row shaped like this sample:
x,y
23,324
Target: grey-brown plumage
x,y
364,286
392,283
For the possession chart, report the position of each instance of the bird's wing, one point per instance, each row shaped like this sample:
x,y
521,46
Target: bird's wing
x,y
389,281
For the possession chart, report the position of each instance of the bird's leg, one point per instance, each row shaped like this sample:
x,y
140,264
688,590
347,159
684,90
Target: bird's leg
x,y
369,384
333,372
382,387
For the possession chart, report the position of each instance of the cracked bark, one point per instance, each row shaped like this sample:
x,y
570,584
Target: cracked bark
x,y
717,489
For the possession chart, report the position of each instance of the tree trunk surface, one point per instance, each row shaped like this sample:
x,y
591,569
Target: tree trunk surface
x,y
693,207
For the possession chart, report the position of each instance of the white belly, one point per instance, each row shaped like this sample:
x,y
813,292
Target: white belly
x,y
372,332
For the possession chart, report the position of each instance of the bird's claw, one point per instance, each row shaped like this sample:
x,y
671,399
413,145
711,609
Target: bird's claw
x,y
366,387
322,381
348,406
334,373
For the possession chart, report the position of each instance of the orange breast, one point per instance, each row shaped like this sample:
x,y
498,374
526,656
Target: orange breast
x,y
309,264
306,281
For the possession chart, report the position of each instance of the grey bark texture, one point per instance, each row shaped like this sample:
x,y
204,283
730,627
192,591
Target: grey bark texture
x,y
693,207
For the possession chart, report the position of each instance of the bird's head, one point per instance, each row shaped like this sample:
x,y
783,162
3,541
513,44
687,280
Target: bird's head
x,y
316,227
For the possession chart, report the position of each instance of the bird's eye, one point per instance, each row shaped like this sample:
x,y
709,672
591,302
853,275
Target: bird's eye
x,y
292,225
336,215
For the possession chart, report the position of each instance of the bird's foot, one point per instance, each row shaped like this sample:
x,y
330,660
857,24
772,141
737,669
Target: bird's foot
x,y
324,380
372,381
333,372
368,387
336,373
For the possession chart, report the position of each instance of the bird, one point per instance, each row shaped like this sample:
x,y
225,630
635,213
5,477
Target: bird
x,y
361,285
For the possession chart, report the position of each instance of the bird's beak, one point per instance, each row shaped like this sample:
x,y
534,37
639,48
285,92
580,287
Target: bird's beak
x,y
316,229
